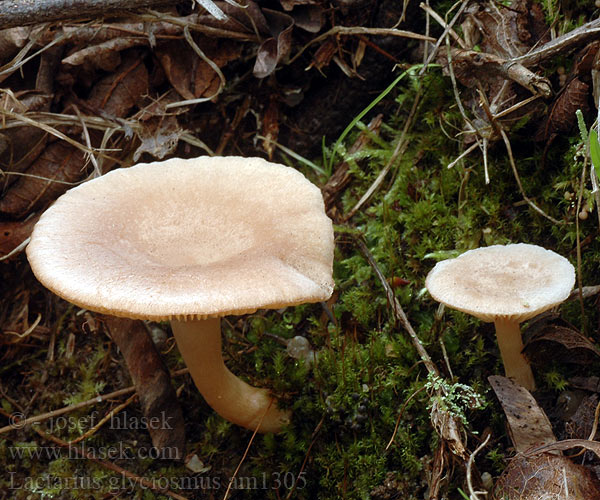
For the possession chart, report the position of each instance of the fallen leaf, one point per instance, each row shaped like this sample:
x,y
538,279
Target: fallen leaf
x,y
117,93
52,173
190,75
528,424
561,343
159,136
546,477
273,50
14,233
449,428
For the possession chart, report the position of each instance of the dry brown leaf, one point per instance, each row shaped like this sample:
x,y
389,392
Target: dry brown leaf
x,y
528,424
159,137
11,41
152,383
117,93
105,55
546,477
449,429
52,173
13,234
273,50
561,117
191,76
20,146
561,343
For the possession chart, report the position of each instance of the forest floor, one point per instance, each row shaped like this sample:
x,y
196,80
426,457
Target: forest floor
x,y
421,151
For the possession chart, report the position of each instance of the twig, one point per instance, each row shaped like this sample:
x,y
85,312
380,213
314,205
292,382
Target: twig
x,y
474,495
442,23
27,12
569,41
143,482
518,179
397,311
19,423
103,420
443,36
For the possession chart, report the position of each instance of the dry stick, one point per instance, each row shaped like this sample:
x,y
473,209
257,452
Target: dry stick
x,y
27,12
439,41
498,128
398,312
562,44
478,134
438,18
474,495
136,480
103,420
20,423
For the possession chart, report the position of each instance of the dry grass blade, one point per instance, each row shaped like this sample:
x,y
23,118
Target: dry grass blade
x,y
361,30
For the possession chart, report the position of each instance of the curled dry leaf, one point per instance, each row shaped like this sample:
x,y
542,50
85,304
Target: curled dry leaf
x,y
529,426
20,146
580,423
159,137
546,477
450,429
105,56
11,41
561,117
152,383
561,343
190,75
273,50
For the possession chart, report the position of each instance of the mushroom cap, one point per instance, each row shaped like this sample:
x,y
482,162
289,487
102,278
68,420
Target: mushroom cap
x,y
510,282
187,239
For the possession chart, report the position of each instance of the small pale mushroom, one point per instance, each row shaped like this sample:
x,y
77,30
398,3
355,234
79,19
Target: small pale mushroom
x,y
191,241
506,285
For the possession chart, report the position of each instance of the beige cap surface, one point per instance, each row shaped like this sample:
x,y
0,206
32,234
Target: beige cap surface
x,y
513,282
187,239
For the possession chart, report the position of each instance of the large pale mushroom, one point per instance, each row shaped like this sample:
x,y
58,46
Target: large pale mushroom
x,y
506,285
191,241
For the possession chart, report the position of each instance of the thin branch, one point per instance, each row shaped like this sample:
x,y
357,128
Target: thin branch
x,y
89,455
398,312
27,12
19,423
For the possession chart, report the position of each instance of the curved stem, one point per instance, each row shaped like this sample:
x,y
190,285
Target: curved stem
x,y
508,334
199,343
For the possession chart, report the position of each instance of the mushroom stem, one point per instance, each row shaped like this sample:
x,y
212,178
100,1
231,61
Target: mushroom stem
x,y
199,343
508,334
